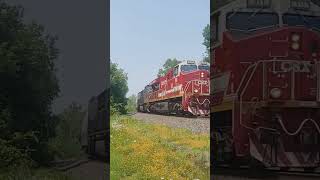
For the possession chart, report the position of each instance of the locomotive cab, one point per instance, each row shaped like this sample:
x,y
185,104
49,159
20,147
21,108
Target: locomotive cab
x,y
184,67
189,67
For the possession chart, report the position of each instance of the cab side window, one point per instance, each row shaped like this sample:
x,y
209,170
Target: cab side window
x,y
156,87
148,89
176,71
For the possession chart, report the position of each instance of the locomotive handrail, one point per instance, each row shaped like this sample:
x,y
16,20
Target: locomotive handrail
x,y
255,65
245,74
261,28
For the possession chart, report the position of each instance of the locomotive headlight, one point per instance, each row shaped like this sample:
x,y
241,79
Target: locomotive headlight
x,y
275,93
295,37
295,46
202,74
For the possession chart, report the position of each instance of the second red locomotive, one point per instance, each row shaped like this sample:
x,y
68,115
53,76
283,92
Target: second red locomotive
x,y
184,90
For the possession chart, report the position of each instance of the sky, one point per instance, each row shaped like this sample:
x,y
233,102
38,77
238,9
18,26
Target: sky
x,y
144,33
81,27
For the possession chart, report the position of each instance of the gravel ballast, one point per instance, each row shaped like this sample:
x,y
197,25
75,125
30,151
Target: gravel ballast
x,y
196,125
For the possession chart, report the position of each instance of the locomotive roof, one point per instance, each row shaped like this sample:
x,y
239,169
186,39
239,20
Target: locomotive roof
x,y
217,4
157,80
163,78
187,62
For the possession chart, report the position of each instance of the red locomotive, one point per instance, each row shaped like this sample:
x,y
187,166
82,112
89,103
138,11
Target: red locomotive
x,y
184,90
265,78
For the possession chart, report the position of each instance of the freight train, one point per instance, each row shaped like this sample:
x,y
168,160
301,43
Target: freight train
x,y
183,90
265,84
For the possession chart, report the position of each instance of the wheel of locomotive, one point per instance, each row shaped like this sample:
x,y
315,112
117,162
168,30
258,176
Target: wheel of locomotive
x,y
178,109
170,108
169,111
145,108
148,108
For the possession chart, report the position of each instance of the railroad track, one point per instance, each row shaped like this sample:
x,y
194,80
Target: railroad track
x,y
131,113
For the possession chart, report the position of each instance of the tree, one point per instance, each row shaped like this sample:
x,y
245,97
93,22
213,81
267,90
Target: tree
x,y
206,42
27,77
132,103
118,88
66,143
170,63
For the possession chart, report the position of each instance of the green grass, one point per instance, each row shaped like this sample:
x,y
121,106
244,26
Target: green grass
x,y
149,151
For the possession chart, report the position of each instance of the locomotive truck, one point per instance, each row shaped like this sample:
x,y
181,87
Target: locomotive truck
x,y
183,90
265,84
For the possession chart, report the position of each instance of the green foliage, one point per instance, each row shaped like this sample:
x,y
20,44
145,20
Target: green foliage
x,y
170,63
206,42
132,103
14,147
118,88
28,86
11,156
114,109
67,144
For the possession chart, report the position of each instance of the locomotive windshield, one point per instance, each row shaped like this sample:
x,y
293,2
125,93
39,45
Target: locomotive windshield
x,y
248,21
203,67
301,20
188,68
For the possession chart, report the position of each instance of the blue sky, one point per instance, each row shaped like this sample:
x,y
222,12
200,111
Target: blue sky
x,y
144,33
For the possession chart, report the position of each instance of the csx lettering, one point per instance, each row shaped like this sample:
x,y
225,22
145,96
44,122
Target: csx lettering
x,y
202,82
296,66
